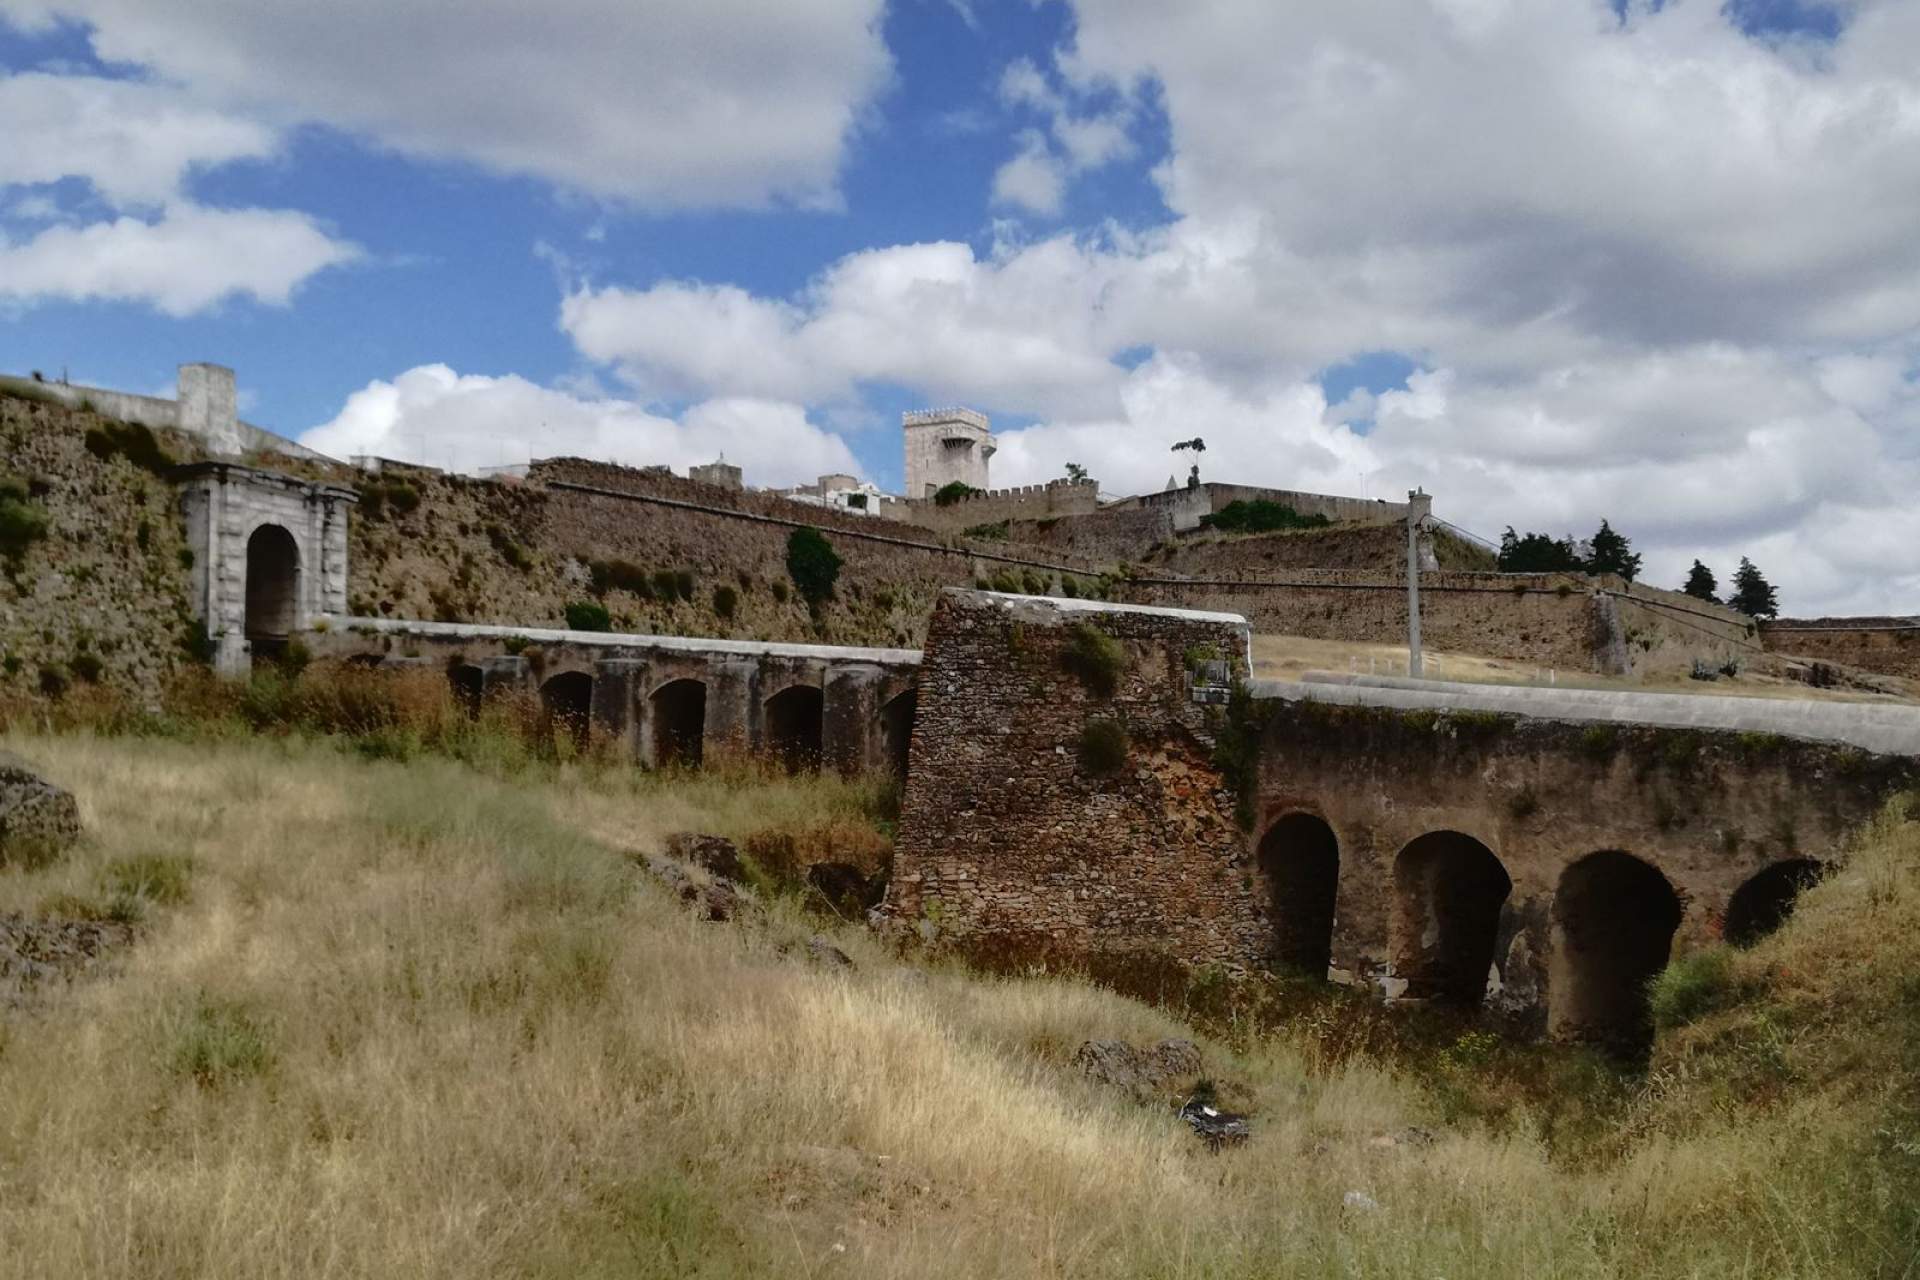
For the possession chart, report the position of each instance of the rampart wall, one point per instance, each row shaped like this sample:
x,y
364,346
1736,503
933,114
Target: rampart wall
x,y
1186,506
1888,646
1033,502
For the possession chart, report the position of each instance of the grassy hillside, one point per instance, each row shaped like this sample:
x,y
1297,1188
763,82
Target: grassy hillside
x,y
425,1019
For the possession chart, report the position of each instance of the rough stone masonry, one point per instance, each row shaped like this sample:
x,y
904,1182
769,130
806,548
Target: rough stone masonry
x,y
1061,793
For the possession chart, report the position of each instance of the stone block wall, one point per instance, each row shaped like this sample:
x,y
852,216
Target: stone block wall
x,y
1886,646
1010,836
108,584
1047,501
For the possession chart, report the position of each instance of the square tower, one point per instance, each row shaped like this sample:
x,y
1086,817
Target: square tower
x,y
945,445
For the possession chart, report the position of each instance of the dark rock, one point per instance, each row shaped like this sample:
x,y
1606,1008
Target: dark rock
x,y
820,949
35,952
848,889
716,854
38,821
1140,1072
721,899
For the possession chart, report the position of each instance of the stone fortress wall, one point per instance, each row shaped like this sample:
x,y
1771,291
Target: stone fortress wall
x,y
206,409
1049,501
1889,646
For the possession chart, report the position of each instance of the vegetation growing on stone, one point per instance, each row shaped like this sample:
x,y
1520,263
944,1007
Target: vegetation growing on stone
x,y
619,575
380,496
1094,658
813,565
1103,747
588,615
1261,515
994,532
1236,750
23,521
129,440
948,494
725,601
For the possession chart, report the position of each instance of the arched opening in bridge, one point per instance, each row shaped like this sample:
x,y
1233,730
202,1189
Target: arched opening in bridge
x,y
678,713
1448,891
468,682
794,727
896,730
273,589
1763,903
1613,923
567,700
1301,860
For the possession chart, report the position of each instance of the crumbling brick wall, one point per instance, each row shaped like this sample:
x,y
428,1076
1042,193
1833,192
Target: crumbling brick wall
x,y
1010,832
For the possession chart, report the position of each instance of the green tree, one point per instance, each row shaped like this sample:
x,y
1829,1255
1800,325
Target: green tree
x,y
1537,553
1613,553
1075,472
1701,584
1753,595
813,564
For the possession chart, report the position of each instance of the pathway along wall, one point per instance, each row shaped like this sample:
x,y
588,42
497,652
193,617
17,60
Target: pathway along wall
x,y
1542,869
1060,797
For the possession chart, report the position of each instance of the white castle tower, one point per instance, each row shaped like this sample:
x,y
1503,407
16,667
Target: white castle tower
x,y
945,445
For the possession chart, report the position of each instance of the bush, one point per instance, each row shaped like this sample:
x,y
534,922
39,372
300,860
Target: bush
x,y
1692,987
588,615
683,584
1262,515
779,590
155,877
127,440
511,551
813,564
948,494
23,522
1103,747
1095,658
725,601
619,575
381,495
995,532
86,666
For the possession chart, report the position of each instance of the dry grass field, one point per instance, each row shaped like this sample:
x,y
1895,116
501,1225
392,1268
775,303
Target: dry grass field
x,y
426,1018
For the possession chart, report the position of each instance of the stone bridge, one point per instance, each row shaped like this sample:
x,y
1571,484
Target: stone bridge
x,y
667,699
1536,854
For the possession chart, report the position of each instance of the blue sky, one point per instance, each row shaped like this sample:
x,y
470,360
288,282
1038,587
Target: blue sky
x,y
1552,261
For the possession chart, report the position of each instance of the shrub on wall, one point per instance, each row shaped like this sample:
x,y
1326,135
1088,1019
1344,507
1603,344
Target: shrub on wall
x,y
1262,515
588,615
22,521
813,564
683,584
948,494
1094,658
127,440
619,575
725,601
1103,747
512,552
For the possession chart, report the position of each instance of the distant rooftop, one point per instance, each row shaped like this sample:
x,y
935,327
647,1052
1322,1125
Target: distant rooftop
x,y
933,417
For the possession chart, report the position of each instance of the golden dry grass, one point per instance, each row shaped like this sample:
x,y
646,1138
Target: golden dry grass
x,y
413,1020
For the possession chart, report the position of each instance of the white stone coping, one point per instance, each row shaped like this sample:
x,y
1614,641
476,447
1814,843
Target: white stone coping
x,y
1061,604
1815,721
624,640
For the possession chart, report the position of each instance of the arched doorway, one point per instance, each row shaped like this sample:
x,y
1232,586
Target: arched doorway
x,y
678,714
1613,923
1301,860
1448,891
794,727
1763,903
273,589
567,700
468,683
896,730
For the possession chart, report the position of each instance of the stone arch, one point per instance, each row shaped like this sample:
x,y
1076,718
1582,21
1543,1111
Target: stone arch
x,y
567,700
1764,902
1300,857
468,683
273,588
896,729
1448,892
677,722
795,724
1613,922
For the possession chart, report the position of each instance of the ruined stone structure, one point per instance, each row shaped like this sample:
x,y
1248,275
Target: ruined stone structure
x,y
946,446
269,556
1536,854
206,410
668,699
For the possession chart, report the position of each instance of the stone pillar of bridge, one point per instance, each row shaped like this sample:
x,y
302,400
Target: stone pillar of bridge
x,y
850,707
733,706
617,684
504,675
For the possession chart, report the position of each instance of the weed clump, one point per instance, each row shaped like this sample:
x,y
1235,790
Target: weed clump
x,y
588,615
129,440
23,522
1094,658
1103,747
813,565
221,1042
1692,987
619,575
